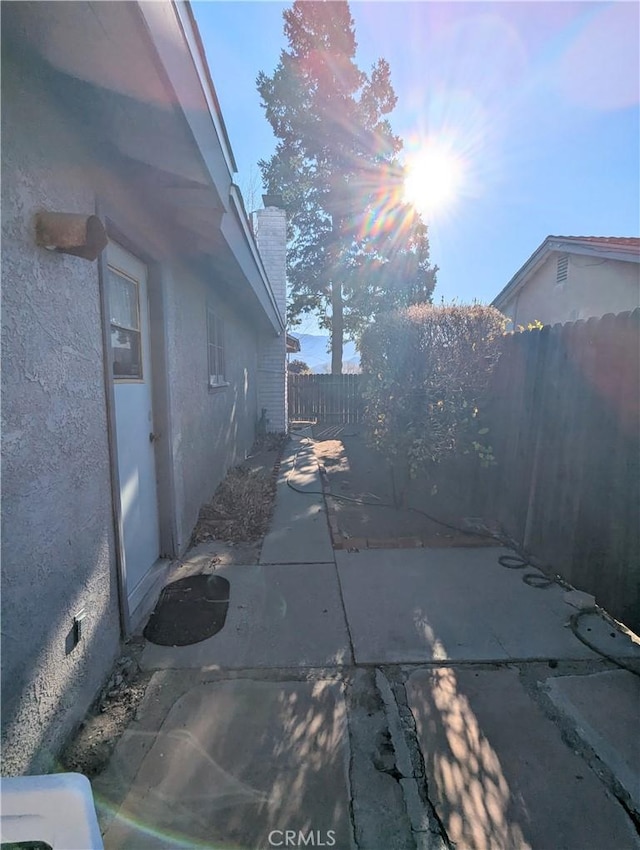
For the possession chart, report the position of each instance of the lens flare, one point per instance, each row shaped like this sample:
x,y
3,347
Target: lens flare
x,y
433,181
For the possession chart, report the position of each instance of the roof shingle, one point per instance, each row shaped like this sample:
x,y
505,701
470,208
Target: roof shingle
x,y
616,241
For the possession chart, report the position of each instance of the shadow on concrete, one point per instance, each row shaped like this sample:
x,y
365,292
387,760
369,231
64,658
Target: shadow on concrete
x,y
500,774
231,763
388,504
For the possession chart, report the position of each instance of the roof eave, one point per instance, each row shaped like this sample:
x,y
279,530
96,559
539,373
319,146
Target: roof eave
x,y
208,136
521,276
565,246
592,249
293,344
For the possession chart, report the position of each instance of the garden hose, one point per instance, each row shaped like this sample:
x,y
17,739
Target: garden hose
x,y
573,625
380,504
517,561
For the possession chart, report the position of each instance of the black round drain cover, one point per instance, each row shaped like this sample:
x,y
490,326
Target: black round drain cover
x,y
189,610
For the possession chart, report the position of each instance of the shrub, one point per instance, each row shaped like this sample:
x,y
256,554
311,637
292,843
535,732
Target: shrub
x,y
426,370
298,367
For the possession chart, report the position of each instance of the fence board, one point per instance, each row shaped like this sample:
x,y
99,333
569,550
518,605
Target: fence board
x,y
573,392
334,399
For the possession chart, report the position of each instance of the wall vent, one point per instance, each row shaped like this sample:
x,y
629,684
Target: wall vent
x,y
562,269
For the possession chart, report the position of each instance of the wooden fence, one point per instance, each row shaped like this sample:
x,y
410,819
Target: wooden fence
x,y
564,423
564,420
325,398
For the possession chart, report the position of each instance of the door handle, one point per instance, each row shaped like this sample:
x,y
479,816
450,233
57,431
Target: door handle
x,y
153,438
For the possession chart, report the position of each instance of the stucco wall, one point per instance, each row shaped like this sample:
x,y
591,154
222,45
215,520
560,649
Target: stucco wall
x,y
58,542
57,531
212,429
592,288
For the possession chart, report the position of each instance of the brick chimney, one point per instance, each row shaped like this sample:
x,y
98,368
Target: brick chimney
x,y
271,236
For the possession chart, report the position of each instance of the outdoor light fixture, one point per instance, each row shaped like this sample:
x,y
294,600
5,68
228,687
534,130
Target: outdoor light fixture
x,y
68,233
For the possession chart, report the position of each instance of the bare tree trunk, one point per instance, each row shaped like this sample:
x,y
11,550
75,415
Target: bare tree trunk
x,y
337,307
337,327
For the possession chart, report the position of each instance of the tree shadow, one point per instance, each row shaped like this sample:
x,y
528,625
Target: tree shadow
x,y
233,762
499,773
472,795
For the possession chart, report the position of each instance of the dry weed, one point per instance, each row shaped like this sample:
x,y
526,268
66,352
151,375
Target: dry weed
x,y
242,505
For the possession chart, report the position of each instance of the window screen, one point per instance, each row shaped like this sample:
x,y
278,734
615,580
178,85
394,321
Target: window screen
x,y
124,311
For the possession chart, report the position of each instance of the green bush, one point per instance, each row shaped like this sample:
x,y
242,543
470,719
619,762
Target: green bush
x,y
426,370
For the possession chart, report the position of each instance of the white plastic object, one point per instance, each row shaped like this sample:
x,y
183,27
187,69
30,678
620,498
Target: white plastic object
x,y
580,600
57,809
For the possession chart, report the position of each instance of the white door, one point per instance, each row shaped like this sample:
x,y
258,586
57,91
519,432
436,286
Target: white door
x,y
131,371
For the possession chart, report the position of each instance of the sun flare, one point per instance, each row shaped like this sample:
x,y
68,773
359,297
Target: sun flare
x,y
433,180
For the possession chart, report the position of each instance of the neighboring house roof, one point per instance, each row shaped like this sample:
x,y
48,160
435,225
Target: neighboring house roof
x,y
625,248
631,243
293,344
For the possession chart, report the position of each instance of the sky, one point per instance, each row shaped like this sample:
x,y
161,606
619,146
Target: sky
x,y
536,104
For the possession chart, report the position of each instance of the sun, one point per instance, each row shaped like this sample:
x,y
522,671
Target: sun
x,y
433,180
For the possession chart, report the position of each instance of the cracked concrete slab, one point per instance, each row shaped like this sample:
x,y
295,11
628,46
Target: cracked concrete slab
x,y
279,616
403,756
242,734
606,710
426,830
498,771
407,606
232,763
379,813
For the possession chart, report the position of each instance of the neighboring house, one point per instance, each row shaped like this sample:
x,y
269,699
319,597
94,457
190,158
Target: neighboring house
x,y
130,383
293,344
574,277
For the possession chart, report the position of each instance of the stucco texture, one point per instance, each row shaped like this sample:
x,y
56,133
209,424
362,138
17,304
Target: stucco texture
x,y
594,287
211,429
57,531
58,541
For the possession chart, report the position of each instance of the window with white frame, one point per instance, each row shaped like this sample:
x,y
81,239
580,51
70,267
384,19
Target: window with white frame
x,y
126,342
215,346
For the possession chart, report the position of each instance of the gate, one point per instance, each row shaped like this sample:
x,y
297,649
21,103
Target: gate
x,y
325,398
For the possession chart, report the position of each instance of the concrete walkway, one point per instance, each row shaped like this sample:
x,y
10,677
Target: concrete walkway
x,y
379,700
299,532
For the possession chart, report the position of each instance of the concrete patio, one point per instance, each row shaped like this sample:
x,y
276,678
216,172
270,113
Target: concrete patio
x,y
380,699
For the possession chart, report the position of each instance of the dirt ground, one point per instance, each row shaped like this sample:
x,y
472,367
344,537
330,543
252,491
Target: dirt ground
x,y
90,748
383,516
230,530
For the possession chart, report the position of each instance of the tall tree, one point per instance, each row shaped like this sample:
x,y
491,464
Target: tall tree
x,y
354,247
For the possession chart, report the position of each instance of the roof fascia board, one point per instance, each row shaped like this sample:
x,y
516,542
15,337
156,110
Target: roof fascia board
x,y
520,277
176,54
171,28
192,37
592,250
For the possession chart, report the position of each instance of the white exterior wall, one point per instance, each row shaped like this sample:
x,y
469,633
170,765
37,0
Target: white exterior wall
x,y
58,538
592,288
271,234
58,554
212,429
